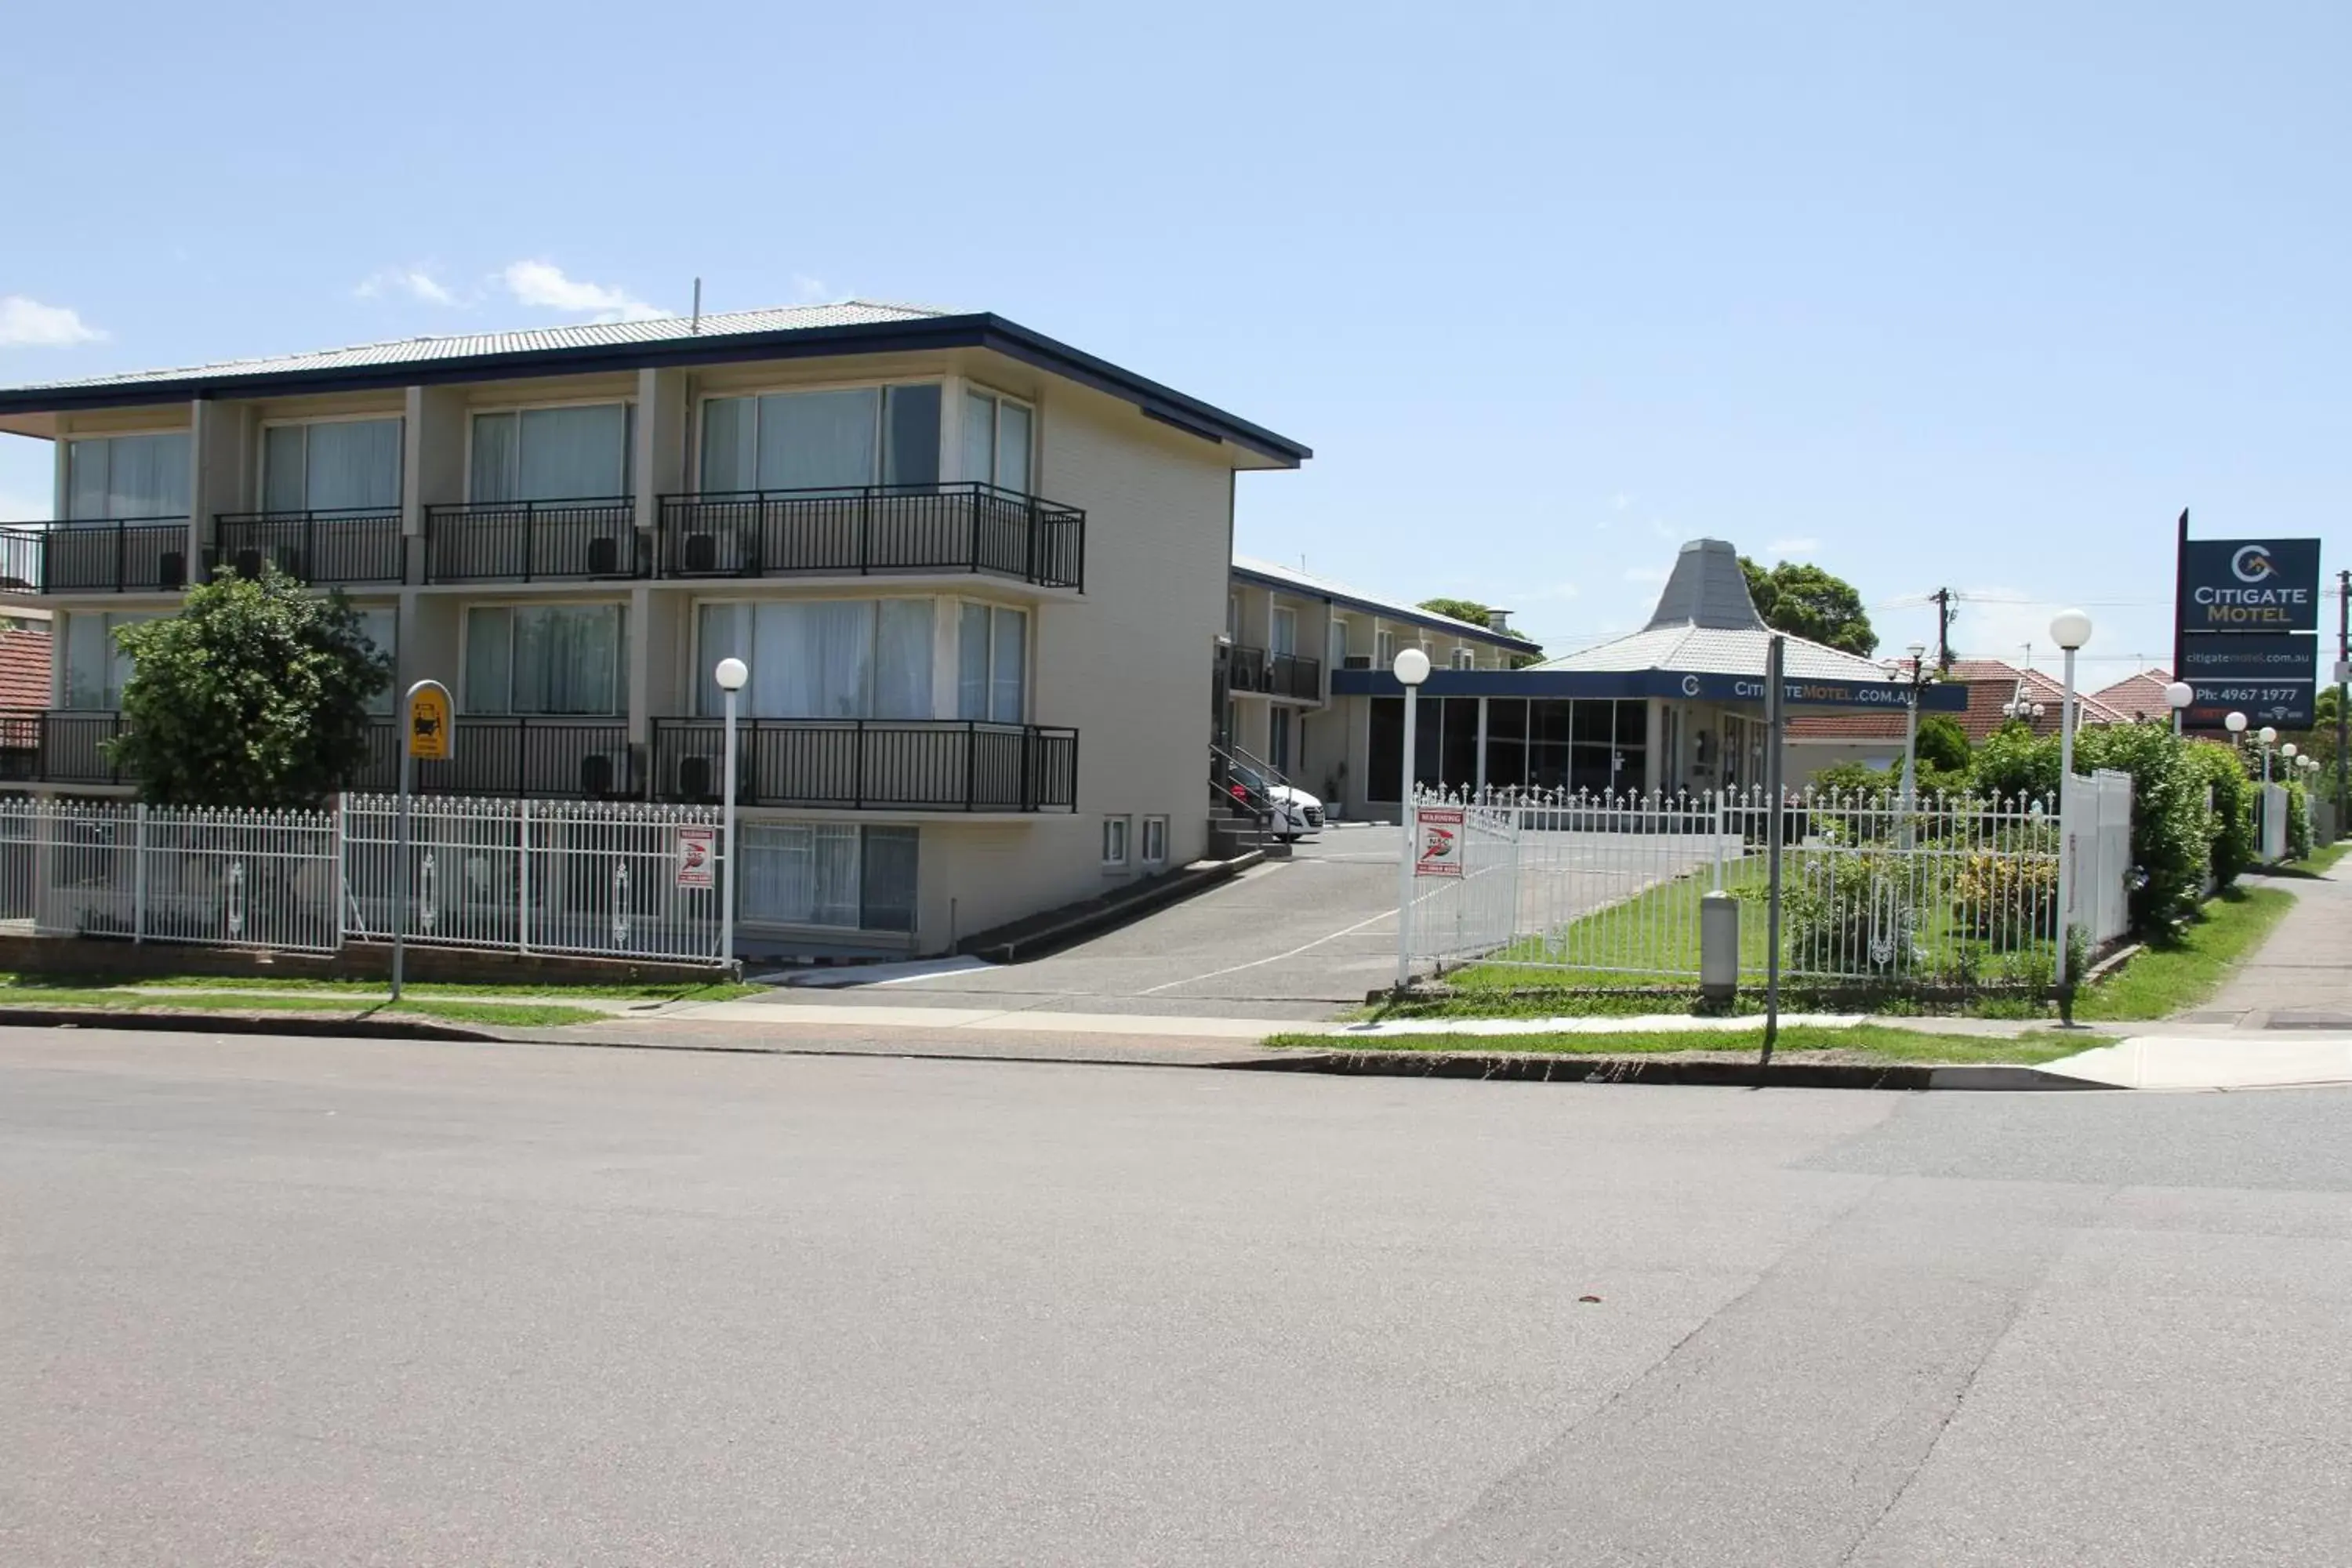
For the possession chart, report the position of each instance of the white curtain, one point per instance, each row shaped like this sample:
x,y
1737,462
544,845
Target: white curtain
x,y
1012,447
812,660
730,452
910,448
571,454
818,441
722,636
979,438
353,463
902,660
544,659
282,486
1008,666
110,476
490,660
492,476
972,662
96,669
800,874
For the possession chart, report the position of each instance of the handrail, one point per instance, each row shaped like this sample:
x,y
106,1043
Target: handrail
x,y
954,526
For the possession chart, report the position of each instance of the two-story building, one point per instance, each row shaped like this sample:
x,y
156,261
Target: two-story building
x,y
1289,633
977,575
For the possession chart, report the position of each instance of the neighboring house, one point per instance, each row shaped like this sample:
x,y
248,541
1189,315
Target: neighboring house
x,y
978,575
2139,696
1675,706
1820,741
1289,631
1994,685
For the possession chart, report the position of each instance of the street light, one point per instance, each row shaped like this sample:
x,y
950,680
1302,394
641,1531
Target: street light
x,y
1918,652
2268,736
2180,694
1411,668
2070,629
2236,724
731,675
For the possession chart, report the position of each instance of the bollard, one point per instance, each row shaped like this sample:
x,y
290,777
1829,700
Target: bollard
x,y
1718,947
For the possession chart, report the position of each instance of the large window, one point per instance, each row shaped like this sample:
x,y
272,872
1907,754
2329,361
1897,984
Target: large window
x,y
823,659
997,437
544,659
821,440
991,663
1277,738
826,874
96,669
579,453
122,477
334,464
1597,747
1283,630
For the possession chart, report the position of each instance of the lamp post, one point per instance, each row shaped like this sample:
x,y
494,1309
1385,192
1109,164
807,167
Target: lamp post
x,y
2179,694
2268,736
2236,724
2070,629
731,675
1411,668
1918,652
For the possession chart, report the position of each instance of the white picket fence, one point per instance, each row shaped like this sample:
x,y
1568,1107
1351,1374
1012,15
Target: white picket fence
x,y
1874,887
520,876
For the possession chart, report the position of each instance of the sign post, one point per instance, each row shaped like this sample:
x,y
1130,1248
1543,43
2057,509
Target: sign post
x,y
1775,710
2245,629
425,734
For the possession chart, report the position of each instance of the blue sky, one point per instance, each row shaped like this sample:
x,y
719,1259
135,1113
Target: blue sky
x,y
1974,295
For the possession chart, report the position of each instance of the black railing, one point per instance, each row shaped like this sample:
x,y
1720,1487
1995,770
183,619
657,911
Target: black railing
x,y
870,764
131,555
1276,674
873,528
347,544
541,758
53,746
534,540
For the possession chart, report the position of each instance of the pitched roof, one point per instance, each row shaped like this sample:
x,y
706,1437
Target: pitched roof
x,y
850,327
1992,682
1273,574
2140,696
23,668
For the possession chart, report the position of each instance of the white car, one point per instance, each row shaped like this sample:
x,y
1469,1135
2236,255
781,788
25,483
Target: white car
x,y
1292,813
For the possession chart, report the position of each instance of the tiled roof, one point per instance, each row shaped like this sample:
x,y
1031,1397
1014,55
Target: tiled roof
x,y
2139,696
1992,683
1396,609
24,669
593,334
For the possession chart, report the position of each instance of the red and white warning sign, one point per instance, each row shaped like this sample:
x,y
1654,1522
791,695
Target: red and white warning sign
x,y
1437,843
697,856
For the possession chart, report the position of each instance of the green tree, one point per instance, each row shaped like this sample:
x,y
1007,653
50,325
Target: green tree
x,y
255,694
1477,614
2013,764
1806,602
1943,744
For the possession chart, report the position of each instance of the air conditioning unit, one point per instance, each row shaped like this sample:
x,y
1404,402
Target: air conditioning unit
x,y
696,776
605,557
700,554
603,774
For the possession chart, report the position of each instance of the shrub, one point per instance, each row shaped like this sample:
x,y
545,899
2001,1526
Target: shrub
x,y
2215,770
2298,821
1851,908
2171,838
2004,899
2014,762
1942,745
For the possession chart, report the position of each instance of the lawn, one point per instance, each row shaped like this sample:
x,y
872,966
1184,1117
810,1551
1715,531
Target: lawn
x,y
515,1014
2177,974
1862,1042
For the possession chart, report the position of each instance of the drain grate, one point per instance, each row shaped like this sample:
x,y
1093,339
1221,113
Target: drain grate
x,y
2308,1021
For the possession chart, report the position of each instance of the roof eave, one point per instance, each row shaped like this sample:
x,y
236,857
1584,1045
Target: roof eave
x,y
931,333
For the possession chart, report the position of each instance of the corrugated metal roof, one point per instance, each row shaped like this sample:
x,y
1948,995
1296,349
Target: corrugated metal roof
x,y
470,345
1325,588
1715,650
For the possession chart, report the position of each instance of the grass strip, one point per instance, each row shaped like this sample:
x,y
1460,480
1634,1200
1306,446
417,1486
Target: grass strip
x,y
1862,1042
554,990
513,1014
2179,972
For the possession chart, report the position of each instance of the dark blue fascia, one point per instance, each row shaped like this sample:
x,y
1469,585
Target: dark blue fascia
x,y
1638,683
981,330
1392,613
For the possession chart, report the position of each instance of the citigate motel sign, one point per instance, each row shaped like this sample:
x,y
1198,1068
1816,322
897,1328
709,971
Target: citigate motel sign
x,y
2248,615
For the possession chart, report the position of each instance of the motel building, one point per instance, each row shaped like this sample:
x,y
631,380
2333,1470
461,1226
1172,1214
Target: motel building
x,y
1677,706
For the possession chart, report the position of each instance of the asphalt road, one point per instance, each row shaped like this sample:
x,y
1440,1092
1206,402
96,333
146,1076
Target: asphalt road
x,y
320,1302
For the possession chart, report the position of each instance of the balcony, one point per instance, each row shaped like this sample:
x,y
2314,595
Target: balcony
x,y
540,758
1276,675
534,541
874,528
342,546
870,764
40,745
128,555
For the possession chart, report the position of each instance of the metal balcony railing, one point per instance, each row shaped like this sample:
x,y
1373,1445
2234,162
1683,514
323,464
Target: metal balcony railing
x,y
870,764
871,529
534,540
124,555
347,544
556,758
1276,675
44,745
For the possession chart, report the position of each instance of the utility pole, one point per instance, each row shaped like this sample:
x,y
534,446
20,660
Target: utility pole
x,y
1943,597
2343,692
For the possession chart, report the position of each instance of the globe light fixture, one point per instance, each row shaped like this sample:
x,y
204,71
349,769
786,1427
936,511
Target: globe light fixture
x,y
2235,723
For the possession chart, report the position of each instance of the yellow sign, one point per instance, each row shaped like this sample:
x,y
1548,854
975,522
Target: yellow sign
x,y
428,722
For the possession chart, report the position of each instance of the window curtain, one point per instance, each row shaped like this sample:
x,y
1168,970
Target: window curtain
x,y
903,655
800,874
353,463
910,447
282,487
818,441
96,669
1008,666
1012,447
722,636
573,454
980,438
730,452
972,662
812,660
492,477
490,660
567,659
120,477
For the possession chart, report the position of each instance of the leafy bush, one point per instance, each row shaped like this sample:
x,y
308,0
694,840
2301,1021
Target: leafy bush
x,y
2004,899
2215,771
1942,745
2171,838
2012,762
2298,822
1850,908
255,694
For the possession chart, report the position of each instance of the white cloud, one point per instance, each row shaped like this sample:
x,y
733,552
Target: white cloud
x,y
542,283
1785,547
414,281
28,323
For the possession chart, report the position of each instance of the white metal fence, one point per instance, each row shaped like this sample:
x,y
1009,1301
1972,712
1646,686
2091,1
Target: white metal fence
x,y
639,881
1937,891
